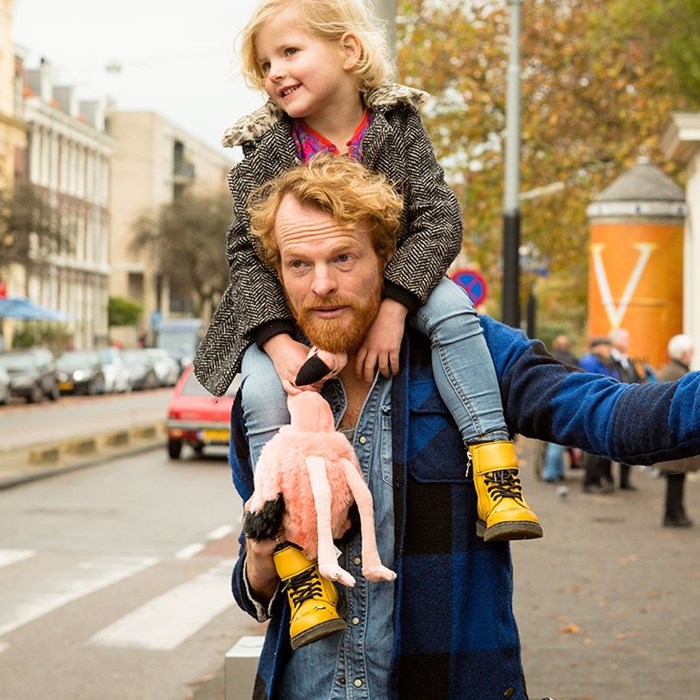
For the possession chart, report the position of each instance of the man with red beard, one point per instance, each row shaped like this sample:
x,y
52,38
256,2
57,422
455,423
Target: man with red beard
x,y
445,628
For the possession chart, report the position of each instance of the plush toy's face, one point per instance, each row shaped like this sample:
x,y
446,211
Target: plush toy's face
x,y
310,413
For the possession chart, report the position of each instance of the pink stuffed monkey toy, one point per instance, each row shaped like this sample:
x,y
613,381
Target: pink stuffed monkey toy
x,y
306,479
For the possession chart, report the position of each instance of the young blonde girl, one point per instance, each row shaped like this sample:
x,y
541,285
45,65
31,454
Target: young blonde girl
x,y
324,67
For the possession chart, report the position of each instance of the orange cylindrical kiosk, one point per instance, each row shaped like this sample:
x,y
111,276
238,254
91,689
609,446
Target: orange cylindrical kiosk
x,y
635,277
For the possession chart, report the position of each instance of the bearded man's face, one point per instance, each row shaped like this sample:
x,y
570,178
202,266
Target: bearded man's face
x,y
331,275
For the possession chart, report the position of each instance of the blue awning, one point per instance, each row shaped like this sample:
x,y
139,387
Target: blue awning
x,y
18,307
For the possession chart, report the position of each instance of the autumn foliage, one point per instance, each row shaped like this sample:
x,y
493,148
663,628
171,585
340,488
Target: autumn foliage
x,y
597,89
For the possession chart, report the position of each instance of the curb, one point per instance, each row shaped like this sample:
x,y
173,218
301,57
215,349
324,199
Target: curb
x,y
24,465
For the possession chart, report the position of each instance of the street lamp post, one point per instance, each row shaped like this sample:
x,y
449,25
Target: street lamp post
x,y
511,207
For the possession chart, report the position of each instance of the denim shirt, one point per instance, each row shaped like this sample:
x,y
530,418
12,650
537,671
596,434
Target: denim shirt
x,y
355,663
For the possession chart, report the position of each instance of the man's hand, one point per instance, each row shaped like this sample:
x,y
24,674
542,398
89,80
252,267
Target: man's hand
x,y
287,356
383,342
260,569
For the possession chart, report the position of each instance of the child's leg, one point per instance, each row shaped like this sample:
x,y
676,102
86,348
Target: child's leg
x,y
466,380
263,399
464,372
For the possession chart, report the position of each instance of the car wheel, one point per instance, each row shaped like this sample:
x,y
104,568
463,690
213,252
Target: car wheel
x,y
36,395
174,449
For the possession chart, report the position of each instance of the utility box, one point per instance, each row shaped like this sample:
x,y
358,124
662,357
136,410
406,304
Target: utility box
x,y
240,667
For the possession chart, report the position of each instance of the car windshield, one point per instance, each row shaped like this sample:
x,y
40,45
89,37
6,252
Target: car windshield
x,y
192,387
76,360
17,363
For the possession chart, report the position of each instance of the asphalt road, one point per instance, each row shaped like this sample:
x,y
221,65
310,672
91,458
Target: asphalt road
x,y
114,581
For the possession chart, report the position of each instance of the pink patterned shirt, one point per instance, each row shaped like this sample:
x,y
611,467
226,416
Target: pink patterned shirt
x,y
308,143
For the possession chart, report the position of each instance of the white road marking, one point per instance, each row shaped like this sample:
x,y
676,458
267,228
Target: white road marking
x,y
11,556
190,551
49,593
168,620
220,532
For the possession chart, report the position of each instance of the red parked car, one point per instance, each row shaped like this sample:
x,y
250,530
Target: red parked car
x,y
197,418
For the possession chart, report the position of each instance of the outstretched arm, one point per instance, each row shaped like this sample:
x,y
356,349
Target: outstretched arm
x,y
631,423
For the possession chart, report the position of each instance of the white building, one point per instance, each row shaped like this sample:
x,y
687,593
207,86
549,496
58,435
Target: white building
x,y
68,158
680,141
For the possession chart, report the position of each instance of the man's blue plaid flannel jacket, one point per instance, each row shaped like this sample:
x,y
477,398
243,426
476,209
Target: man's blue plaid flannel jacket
x,y
455,635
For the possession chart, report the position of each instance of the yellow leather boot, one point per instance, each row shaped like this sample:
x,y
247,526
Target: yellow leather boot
x,y
502,511
312,598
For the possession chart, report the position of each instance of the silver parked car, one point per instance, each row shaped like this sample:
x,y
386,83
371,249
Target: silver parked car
x,y
167,368
117,374
143,373
4,386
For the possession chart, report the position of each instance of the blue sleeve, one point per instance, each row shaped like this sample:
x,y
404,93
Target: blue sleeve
x,y
630,423
242,474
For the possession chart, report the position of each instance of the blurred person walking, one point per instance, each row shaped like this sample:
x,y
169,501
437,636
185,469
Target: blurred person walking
x,y
680,352
554,454
629,373
597,477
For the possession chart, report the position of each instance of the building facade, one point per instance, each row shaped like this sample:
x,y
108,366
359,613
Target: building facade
x,y
68,166
680,142
12,128
154,162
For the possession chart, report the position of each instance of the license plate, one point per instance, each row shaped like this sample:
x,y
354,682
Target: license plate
x,y
65,386
215,435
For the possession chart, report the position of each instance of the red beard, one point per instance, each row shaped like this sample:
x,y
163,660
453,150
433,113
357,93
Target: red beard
x,y
343,334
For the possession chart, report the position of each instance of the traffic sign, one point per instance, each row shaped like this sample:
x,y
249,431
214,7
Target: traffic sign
x,y
473,283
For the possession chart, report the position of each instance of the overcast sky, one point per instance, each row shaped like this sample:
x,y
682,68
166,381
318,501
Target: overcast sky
x,y
177,58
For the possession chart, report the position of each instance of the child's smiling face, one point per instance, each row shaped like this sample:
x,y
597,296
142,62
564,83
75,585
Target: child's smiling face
x,y
306,76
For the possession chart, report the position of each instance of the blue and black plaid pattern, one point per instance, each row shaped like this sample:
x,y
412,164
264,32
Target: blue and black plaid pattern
x,y
455,635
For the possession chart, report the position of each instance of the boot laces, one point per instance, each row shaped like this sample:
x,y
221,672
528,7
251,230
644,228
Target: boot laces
x,y
304,586
504,483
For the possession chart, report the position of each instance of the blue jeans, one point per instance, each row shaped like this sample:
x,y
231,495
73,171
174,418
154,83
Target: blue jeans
x,y
553,462
264,401
462,366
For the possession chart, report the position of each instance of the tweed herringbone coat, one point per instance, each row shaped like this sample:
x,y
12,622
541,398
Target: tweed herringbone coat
x,y
396,145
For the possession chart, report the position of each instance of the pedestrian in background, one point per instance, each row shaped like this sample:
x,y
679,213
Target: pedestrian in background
x,y
680,352
630,373
597,477
554,454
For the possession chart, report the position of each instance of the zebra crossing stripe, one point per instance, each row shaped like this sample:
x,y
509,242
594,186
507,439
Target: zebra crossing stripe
x,y
46,594
168,620
12,556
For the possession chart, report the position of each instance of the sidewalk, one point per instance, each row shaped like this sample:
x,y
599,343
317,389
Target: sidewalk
x,y
78,449
608,601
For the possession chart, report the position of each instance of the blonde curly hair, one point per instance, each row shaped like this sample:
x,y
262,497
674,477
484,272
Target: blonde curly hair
x,y
339,186
328,20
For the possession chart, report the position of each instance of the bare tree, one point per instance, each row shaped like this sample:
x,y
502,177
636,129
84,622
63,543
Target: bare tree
x,y
186,239
31,229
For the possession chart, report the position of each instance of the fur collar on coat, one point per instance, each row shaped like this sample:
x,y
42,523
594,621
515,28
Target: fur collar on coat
x,y
260,121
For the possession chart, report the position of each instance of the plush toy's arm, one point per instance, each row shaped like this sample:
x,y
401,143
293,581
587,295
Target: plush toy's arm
x,y
327,560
